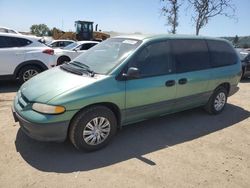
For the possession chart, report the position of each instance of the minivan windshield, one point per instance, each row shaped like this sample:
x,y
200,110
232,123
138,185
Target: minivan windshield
x,y
105,56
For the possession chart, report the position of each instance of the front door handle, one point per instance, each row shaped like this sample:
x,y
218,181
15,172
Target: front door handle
x,y
182,81
170,83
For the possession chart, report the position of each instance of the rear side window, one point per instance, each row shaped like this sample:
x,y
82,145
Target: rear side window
x,y
13,42
221,53
190,55
2,42
23,42
3,30
154,60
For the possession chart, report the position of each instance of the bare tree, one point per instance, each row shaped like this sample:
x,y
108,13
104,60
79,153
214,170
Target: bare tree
x,y
170,9
204,10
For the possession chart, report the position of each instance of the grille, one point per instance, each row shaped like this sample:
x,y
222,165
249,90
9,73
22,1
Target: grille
x,y
22,100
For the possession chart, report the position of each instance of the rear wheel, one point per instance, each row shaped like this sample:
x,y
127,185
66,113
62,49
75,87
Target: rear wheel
x,y
217,101
28,72
93,128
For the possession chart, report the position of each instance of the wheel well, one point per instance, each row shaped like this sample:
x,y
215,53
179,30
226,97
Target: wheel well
x,y
62,57
226,86
113,107
36,64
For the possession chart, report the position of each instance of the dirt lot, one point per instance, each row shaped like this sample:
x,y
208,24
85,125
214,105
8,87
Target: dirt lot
x,y
187,149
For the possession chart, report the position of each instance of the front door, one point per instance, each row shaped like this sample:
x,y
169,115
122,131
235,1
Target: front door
x,y
153,93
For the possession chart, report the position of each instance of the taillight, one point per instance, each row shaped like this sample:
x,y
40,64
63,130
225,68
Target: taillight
x,y
49,51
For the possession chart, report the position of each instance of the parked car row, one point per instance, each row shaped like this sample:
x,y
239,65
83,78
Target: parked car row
x,y
23,56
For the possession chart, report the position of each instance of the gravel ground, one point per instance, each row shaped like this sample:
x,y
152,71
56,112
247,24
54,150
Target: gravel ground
x,y
187,149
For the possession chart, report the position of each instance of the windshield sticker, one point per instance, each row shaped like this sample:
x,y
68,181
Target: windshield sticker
x,y
130,42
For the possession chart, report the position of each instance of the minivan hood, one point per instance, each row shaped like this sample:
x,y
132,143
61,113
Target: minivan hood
x,y
51,83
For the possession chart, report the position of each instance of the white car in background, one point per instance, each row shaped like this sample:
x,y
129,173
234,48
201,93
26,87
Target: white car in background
x,y
72,51
60,43
8,30
22,56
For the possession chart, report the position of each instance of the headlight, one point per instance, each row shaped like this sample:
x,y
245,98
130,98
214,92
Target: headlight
x,y
48,109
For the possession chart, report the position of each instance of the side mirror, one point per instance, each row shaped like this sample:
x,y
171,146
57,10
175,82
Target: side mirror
x,y
132,72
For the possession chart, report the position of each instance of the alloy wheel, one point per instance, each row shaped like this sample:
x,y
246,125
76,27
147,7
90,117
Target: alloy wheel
x,y
96,130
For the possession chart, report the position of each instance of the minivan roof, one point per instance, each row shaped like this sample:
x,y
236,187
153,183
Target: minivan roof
x,y
167,36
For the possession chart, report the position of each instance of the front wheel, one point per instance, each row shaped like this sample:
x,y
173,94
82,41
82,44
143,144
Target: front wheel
x,y
93,128
217,101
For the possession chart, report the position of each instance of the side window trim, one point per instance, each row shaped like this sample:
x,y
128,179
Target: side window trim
x,y
174,56
211,51
171,57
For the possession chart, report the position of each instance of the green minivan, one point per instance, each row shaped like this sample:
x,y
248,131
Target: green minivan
x,y
124,80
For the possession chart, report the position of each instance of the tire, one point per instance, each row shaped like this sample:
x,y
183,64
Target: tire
x,y
28,72
61,60
217,101
242,75
83,131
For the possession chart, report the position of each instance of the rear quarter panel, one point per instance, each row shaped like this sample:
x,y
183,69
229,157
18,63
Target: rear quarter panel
x,y
227,74
37,54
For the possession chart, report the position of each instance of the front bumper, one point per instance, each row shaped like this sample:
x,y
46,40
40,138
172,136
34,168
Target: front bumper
x,y
43,132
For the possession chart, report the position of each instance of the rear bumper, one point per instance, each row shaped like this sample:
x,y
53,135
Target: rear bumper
x,y
42,132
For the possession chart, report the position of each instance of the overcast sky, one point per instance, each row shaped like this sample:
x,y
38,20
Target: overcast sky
x,y
115,15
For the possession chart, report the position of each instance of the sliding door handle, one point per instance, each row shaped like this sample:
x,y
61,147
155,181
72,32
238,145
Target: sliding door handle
x,y
182,81
170,83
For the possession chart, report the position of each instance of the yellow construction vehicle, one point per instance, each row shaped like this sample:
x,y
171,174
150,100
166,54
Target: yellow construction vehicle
x,y
84,31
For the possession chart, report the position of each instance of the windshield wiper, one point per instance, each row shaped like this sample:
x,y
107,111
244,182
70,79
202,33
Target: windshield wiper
x,y
68,68
78,64
77,68
83,66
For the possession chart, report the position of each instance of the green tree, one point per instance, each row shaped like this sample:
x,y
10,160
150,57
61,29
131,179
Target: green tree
x,y
40,29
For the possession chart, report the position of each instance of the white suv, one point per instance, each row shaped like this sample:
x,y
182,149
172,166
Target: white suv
x,y
22,56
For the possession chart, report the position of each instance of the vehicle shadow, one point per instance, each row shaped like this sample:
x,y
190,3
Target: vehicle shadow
x,y
132,141
8,86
